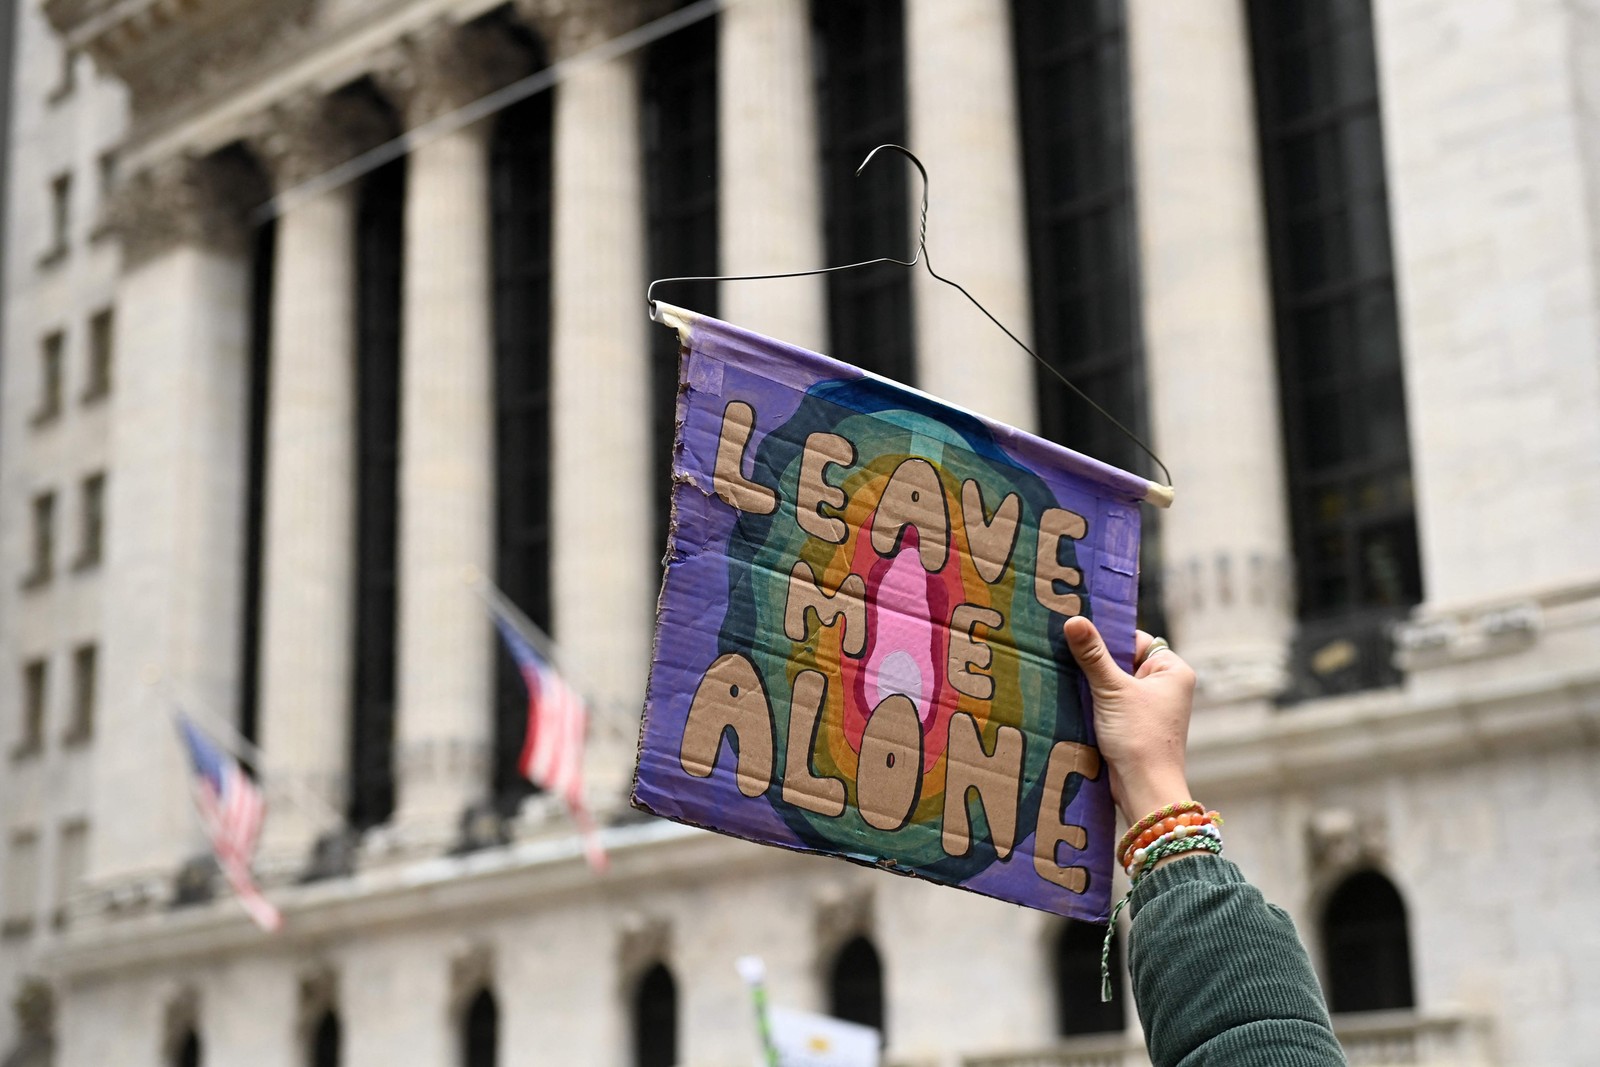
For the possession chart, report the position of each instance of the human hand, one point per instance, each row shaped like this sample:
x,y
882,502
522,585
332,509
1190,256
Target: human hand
x,y
1141,720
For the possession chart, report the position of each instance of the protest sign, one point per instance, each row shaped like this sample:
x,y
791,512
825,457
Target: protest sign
x,y
805,1039
859,648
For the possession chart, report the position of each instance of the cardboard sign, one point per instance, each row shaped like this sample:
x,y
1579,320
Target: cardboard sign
x,y
859,648
805,1039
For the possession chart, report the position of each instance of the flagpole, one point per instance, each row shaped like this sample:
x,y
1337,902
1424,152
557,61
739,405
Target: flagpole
x,y
297,793
492,596
754,973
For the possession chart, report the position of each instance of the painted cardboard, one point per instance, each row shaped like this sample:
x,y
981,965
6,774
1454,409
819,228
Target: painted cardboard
x,y
859,645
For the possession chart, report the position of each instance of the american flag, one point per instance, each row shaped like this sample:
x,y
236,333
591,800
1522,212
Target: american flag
x,y
552,751
231,807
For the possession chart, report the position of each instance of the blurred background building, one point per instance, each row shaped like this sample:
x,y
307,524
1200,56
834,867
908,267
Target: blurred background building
x,y
291,342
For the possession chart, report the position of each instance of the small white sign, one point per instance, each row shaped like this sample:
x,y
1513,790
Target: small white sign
x,y
807,1040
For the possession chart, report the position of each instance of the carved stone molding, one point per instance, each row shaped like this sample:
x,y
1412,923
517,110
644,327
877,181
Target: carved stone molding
x,y
443,66
319,992
1340,840
471,972
312,132
182,1017
569,27
184,200
843,912
174,53
644,940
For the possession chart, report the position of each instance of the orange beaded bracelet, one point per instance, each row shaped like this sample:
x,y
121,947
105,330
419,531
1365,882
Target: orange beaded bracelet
x,y
1165,825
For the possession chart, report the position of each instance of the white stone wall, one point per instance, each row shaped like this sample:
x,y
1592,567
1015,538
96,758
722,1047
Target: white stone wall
x,y
53,131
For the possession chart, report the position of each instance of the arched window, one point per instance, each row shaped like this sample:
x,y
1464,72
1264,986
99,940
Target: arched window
x,y
1079,1009
380,243
855,985
655,1019
326,1041
681,189
480,1032
861,68
187,1052
1077,151
1338,336
520,201
1366,946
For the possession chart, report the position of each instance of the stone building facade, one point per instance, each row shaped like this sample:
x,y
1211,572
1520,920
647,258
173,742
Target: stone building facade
x,y
314,307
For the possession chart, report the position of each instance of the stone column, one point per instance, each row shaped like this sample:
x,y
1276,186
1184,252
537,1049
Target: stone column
x,y
770,201
444,713
963,126
308,551
174,580
604,558
1209,343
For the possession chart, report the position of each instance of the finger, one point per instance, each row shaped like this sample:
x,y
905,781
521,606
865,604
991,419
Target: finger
x,y
1092,655
1141,645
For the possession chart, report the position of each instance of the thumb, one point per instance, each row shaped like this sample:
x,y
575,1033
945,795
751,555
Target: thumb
x,y
1089,649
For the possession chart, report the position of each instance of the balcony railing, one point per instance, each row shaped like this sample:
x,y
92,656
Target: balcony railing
x,y
1375,1039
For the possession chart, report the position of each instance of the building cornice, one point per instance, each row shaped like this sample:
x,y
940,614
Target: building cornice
x,y
445,889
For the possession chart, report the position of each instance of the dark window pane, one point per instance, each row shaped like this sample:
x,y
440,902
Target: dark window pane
x,y
1072,92
1079,1009
1367,946
480,1032
520,203
855,985
860,57
1344,416
681,190
655,1019
380,215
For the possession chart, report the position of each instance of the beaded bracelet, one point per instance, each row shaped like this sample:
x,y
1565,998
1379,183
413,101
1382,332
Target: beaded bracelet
x,y
1183,807
1166,826
1175,846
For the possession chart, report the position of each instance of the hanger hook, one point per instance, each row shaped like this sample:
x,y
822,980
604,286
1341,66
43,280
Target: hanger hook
x,y
922,219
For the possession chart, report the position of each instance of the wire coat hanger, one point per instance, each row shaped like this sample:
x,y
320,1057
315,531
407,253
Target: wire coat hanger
x,y
1162,495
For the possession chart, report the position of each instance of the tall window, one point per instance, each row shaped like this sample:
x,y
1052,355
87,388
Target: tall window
x,y
187,1052
379,247
263,252
60,219
326,1041
98,383
34,692
855,985
52,376
44,540
92,517
1367,946
21,885
72,861
680,146
1079,1009
655,1019
1344,416
85,684
520,183
1072,96
861,77
480,1032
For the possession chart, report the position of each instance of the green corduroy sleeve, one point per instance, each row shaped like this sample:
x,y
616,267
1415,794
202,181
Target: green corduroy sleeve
x,y
1220,976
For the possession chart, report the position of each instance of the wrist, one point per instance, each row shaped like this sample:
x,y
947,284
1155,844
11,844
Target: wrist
x,y
1140,797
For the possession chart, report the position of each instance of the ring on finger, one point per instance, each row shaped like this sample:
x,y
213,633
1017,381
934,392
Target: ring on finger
x,y
1157,644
